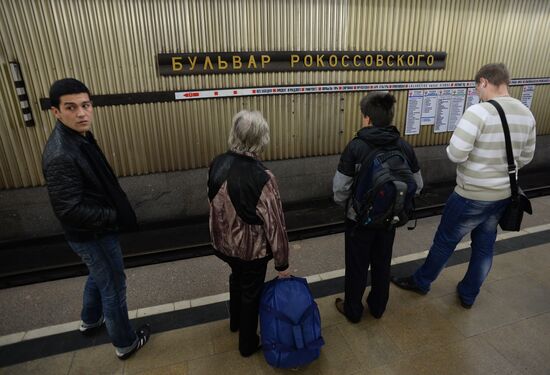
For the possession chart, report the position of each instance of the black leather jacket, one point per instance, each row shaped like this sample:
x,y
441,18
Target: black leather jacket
x,y
84,192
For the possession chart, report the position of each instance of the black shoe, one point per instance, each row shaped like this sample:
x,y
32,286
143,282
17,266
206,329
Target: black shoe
x,y
143,334
248,354
407,283
376,316
339,303
467,306
376,313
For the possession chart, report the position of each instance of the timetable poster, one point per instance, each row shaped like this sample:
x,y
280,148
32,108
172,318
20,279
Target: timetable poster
x,y
471,97
527,95
414,111
457,108
442,112
429,105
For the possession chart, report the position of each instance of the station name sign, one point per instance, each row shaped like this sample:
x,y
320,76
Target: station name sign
x,y
292,61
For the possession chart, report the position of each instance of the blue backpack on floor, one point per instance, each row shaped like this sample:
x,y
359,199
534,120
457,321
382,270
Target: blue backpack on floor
x,y
290,324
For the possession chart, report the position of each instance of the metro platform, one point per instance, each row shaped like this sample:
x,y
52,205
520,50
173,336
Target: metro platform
x,y
507,331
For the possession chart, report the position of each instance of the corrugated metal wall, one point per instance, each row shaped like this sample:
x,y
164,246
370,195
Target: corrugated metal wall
x,y
112,46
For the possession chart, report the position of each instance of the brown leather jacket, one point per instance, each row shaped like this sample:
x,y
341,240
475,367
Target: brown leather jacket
x,y
246,215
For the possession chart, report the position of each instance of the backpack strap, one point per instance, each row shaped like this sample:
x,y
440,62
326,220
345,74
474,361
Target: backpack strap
x,y
299,343
279,315
372,152
315,344
413,216
400,195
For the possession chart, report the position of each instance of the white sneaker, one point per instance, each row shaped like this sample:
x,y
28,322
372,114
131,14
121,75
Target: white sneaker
x,y
88,329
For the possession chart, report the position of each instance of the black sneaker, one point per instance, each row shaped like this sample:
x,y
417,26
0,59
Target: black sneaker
x,y
143,334
88,329
467,306
407,283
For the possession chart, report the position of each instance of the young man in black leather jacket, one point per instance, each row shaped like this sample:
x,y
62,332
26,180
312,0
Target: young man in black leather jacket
x,y
92,207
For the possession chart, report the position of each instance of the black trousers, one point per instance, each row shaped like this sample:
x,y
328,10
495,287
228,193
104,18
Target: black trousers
x,y
366,247
245,287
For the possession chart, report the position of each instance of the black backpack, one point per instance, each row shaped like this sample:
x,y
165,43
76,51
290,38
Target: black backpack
x,y
384,189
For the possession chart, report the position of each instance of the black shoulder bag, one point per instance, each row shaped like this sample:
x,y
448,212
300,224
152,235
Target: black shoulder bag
x,y
519,203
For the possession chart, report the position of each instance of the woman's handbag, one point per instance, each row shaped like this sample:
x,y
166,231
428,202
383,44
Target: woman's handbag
x,y
519,203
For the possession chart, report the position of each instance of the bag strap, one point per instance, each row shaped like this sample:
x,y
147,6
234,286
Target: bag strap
x,y
413,215
279,315
299,342
512,170
374,149
400,193
372,152
312,345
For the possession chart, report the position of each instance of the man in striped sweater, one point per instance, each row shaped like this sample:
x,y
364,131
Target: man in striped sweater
x,y
482,184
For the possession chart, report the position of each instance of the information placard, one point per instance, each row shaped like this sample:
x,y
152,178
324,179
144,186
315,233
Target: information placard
x,y
457,108
442,112
471,97
429,105
527,95
414,111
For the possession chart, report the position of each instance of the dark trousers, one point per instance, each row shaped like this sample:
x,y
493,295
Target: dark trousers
x,y
366,247
245,287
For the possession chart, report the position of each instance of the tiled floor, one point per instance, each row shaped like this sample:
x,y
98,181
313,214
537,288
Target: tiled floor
x,y
506,332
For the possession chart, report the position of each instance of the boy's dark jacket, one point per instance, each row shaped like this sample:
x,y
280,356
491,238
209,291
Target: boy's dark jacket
x,y
355,153
357,150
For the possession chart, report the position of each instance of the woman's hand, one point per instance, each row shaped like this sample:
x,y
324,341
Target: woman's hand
x,y
284,274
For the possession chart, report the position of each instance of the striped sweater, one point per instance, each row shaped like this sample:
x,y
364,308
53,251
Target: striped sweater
x,y
479,149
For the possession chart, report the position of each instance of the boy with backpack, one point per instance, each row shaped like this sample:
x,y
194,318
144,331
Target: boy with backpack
x,y
376,180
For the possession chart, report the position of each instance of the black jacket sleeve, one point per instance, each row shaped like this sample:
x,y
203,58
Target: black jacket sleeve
x,y
66,186
411,155
348,159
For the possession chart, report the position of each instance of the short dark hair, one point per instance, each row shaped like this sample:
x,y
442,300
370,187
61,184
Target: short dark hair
x,y
66,86
497,74
378,105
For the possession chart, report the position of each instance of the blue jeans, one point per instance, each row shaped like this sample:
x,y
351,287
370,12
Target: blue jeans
x,y
105,290
460,217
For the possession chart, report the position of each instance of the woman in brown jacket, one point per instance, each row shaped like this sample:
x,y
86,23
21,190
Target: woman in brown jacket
x,y
247,225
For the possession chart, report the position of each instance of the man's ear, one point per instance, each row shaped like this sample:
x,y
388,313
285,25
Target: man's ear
x,y
55,112
366,120
483,82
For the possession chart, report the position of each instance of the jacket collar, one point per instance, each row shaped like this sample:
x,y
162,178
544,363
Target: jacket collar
x,y
379,136
88,138
245,154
